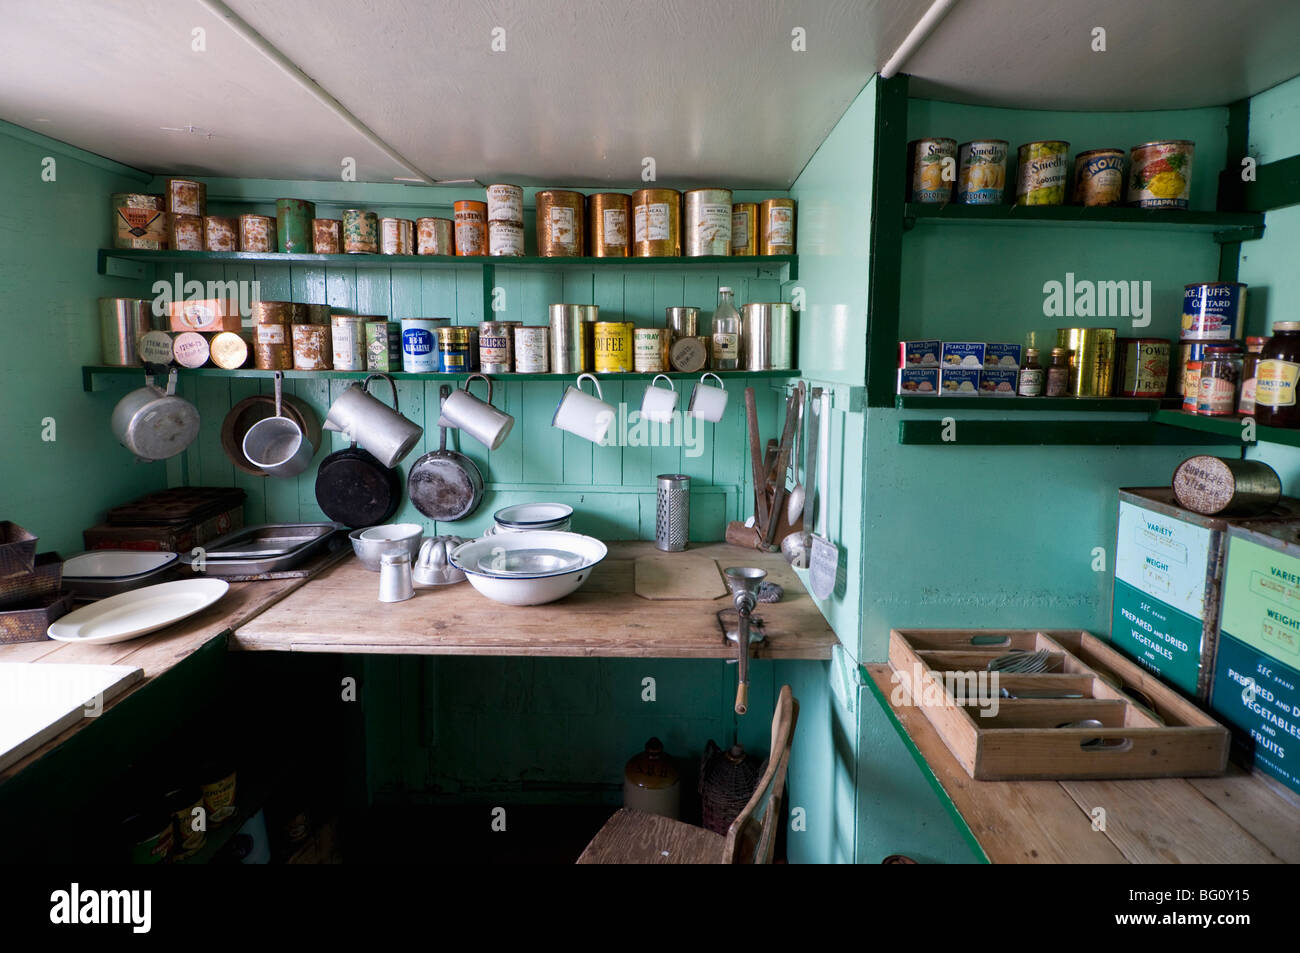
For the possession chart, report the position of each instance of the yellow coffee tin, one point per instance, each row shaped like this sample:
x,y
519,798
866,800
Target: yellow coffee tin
x,y
613,346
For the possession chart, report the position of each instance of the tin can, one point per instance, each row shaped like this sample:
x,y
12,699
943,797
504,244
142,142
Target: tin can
x,y
1192,384
348,340
607,221
121,323
1213,311
1041,172
560,223
299,313
1142,367
360,232
293,225
396,236
327,236
777,235
471,227
650,350
312,348
496,348
708,222
318,314
220,233
419,344
1188,352
435,236
384,346
682,322
257,233
613,346
756,336
784,335
931,170
204,314
139,221
532,349
572,344
184,232
505,239
185,197
1160,174
505,203
982,171
190,349
155,347
273,347
230,349
1098,178
745,228
656,223
690,354
271,312
1092,363
453,349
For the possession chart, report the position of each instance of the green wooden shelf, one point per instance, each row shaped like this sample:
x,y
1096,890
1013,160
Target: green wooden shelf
x,y
1138,405
1036,433
1229,428
1224,226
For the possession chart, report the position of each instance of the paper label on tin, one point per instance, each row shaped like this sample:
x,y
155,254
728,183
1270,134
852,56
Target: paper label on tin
x,y
345,346
714,225
739,230
270,334
469,237
615,226
780,225
1275,383
652,223
505,205
155,347
564,229
191,349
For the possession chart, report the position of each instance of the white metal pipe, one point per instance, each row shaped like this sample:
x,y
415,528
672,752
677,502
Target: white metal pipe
x,y
924,27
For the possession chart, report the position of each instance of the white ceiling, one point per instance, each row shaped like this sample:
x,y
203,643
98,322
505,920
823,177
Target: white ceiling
x,y
711,89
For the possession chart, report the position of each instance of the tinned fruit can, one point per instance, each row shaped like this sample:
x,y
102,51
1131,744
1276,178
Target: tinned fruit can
x,y
1098,178
312,349
982,171
185,197
560,223
139,221
327,236
612,345
744,228
1142,367
656,223
471,227
931,170
777,234
650,350
1160,174
256,233
360,232
396,236
532,349
496,347
1213,311
505,203
435,236
1042,170
1092,361
453,350
708,222
607,224
293,225
348,340
505,239
220,233
184,232
383,346
230,349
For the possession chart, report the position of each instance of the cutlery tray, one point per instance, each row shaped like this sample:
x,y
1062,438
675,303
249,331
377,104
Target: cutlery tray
x,y
1004,739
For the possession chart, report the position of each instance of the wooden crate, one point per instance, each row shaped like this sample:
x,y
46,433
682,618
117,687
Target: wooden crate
x,y
1005,739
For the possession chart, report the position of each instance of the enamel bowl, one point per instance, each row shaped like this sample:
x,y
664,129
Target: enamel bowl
x,y
528,568
372,542
533,516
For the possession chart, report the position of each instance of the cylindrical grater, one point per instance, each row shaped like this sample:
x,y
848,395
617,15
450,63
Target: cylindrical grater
x,y
673,512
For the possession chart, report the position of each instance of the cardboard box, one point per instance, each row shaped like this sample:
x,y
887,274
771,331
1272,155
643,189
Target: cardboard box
x,y
918,380
962,354
999,381
209,314
1002,355
919,353
959,381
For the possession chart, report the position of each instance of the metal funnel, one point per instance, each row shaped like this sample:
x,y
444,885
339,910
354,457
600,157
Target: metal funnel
x,y
744,581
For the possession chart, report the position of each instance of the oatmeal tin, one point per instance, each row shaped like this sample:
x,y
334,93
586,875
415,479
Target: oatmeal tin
x,y
505,203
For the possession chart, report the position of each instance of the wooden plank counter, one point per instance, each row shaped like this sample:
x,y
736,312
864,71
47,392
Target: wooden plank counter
x,y
339,611
1234,819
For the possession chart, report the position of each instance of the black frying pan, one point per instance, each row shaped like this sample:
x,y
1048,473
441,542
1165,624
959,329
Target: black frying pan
x,y
354,488
443,484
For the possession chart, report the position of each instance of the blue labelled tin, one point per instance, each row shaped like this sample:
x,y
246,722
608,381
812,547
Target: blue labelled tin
x,y
419,355
1213,311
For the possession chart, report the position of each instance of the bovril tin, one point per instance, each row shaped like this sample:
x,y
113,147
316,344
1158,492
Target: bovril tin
x,y
708,222
932,167
982,171
1142,368
1213,311
532,347
327,236
1099,178
471,228
435,236
613,346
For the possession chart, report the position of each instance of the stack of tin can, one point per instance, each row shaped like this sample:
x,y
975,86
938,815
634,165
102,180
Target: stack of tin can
x,y
505,214
272,335
1214,315
186,202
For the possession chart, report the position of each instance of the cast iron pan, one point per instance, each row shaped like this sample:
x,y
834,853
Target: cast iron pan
x,y
445,485
354,488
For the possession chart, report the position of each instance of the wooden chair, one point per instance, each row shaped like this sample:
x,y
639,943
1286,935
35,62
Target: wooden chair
x,y
634,837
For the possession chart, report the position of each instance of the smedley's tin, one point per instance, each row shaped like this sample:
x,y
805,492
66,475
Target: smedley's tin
x,y
1213,311
613,346
471,227
1042,171
1098,178
1142,367
1160,174
932,169
982,171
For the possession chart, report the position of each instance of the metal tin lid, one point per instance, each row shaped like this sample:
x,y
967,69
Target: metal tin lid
x,y
1286,325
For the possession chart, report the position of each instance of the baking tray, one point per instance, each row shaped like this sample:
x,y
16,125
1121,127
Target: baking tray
x,y
89,588
43,581
17,550
27,623
268,548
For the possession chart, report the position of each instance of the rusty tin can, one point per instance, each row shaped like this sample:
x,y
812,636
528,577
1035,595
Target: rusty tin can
x,y
185,197
656,223
360,232
273,347
191,349
505,239
293,228
299,313
311,347
532,349
560,223
607,219
496,348
1099,178
471,227
505,203
745,228
1160,174
708,222
650,350
612,341
327,236
318,314
777,236
220,233
1041,172
230,349
348,340
184,232
257,233
435,236
396,236
383,346
931,170
139,221
1142,367
271,312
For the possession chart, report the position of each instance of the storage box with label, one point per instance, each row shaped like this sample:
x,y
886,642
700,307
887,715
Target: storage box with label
x,y
959,381
209,314
963,354
919,353
998,381
1002,355
918,380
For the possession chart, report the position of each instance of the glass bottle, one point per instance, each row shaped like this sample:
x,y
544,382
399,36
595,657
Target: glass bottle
x,y
1276,377
1031,375
726,333
1058,373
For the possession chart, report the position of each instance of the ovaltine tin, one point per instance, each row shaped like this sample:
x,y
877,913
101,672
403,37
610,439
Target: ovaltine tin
x,y
191,349
777,236
121,323
396,236
505,203
613,346
327,236
293,228
571,339
471,227
708,222
756,336
1092,363
783,336
348,340
1160,174
1142,367
383,346
982,171
360,232
139,221
1213,311
420,344
932,169
560,223
256,233
435,236
220,233
607,221
1098,178
230,349
656,223
744,228
505,239
532,349
271,312
453,350
496,348
312,349
650,350
184,232
1041,172
682,322
186,197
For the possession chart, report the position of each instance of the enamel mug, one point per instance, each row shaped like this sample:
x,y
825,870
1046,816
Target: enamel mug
x,y
582,415
708,402
378,428
658,404
480,420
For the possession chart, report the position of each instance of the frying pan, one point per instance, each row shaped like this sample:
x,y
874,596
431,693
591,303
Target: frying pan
x,y
445,485
354,488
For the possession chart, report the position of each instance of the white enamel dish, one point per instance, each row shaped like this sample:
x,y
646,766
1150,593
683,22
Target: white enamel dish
x,y
108,572
528,589
139,612
526,516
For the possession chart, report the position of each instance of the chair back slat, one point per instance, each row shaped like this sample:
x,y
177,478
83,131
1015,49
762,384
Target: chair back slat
x,y
750,841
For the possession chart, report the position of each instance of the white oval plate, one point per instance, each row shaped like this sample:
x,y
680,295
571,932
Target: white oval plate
x,y
139,612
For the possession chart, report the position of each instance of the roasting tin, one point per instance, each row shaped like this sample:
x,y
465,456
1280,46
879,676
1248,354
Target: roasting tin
x,y
270,547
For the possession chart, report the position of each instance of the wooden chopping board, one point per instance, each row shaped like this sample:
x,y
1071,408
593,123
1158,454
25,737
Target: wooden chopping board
x,y
678,576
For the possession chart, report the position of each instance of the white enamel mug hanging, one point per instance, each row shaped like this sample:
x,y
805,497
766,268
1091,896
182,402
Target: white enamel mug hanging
x,y
708,402
658,404
583,415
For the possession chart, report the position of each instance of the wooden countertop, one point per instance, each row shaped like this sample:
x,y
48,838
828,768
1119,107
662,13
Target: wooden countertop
x,y
339,611
1234,819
